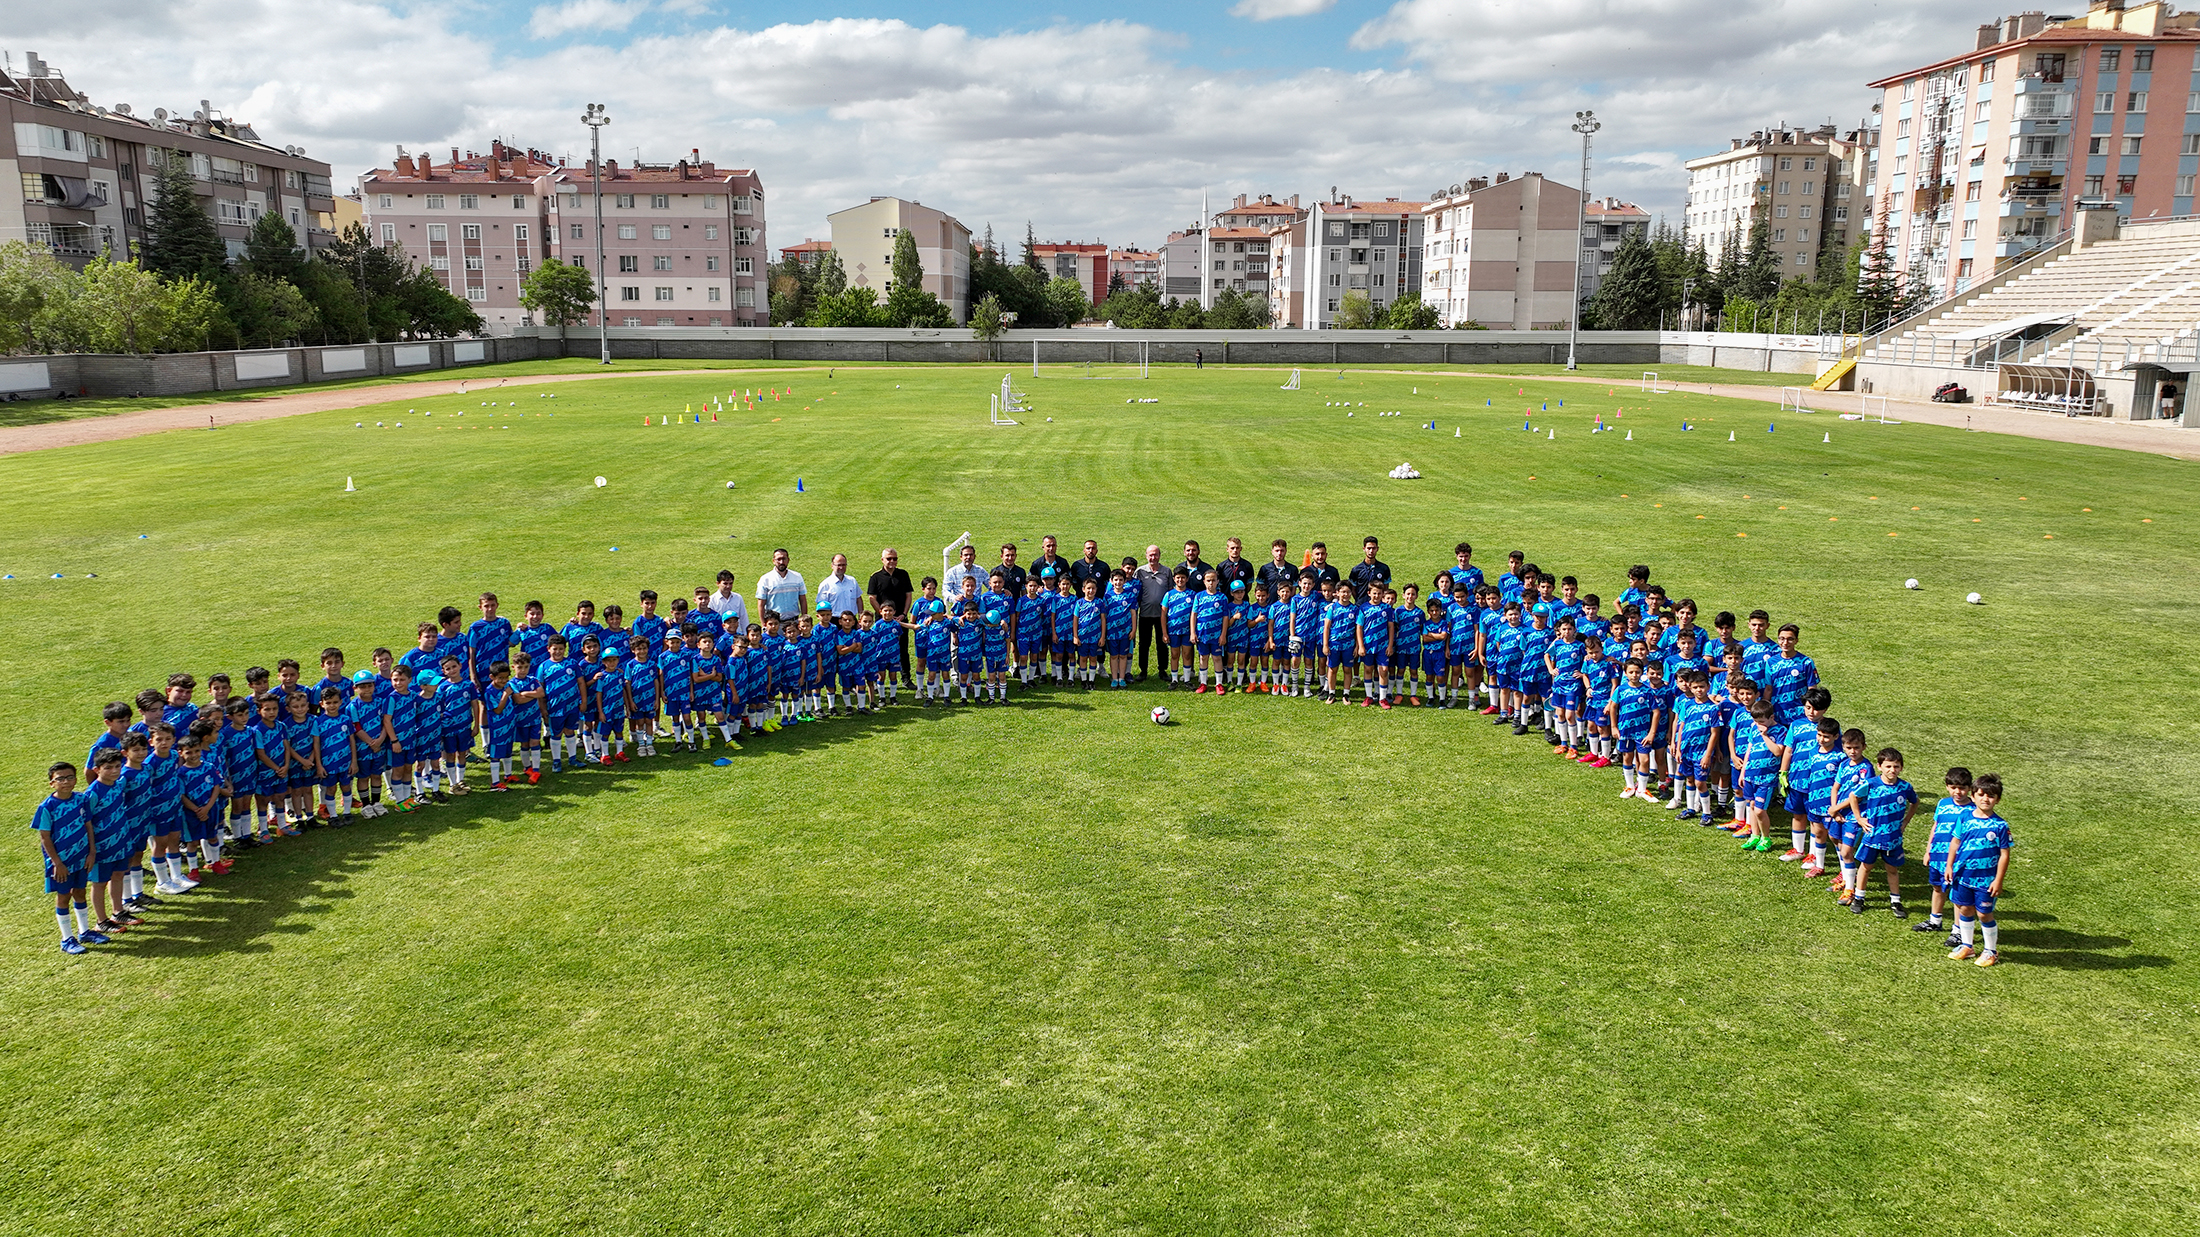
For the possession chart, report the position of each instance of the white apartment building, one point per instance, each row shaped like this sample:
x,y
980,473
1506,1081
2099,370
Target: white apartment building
x,y
1501,252
1344,246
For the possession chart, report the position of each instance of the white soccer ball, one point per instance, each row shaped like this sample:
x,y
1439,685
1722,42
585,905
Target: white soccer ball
x,y
1160,715
1050,420
1910,583
600,483
1973,598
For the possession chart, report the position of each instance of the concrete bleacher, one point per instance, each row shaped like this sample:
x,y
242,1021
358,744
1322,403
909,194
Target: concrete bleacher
x,y
2115,295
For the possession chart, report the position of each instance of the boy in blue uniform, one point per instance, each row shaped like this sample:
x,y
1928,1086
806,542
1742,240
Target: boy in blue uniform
x,y
1562,660
1850,774
886,645
563,700
271,760
846,665
114,878
1885,806
1377,624
1121,607
1062,629
334,763
455,698
533,635
1408,649
421,658
1787,676
1534,677
583,627
1699,728
611,709
1031,634
1634,715
163,783
1812,763
1948,817
997,623
1176,628
1978,863
1638,578
1800,737
1758,770
1210,630
497,716
676,666
1599,676
405,711
1089,628
198,791
1300,638
969,640
240,772
644,687
65,839
650,625
1237,643
527,698
367,718
116,718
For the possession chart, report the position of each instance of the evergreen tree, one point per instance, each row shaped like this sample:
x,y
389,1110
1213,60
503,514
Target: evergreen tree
x,y
1354,312
1186,315
1759,277
1878,284
431,312
1631,296
1702,286
272,248
1031,249
907,301
985,318
832,277
180,239
268,312
340,316
1066,302
1410,313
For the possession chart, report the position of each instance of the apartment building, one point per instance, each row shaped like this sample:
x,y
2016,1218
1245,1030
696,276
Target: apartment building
x,y
1229,248
1183,259
1263,212
807,254
1344,245
864,237
1238,260
1137,266
480,222
1501,251
1605,223
1985,154
1783,178
85,171
1087,264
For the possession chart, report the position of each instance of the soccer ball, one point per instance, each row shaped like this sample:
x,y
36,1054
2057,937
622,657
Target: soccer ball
x,y
1160,715
1910,583
1973,599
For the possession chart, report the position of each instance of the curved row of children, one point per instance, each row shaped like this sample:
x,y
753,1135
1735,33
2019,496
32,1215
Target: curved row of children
x,y
1704,717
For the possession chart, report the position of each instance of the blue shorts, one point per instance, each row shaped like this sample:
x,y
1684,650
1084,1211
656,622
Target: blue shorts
x,y
995,663
675,707
1119,647
197,830
300,781
968,665
1534,685
1848,831
1341,656
1210,648
565,723
1889,855
1434,661
458,740
1463,655
1024,648
500,747
73,882
1755,794
1797,802
1180,639
1978,897
755,704
1371,660
1566,696
1088,649
1634,747
1696,760
106,870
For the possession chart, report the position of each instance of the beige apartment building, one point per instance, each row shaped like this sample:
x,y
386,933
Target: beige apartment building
x,y
84,171
1790,180
864,237
1136,266
1501,251
1085,263
1342,246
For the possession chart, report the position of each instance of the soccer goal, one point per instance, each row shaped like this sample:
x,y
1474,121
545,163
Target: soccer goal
x,y
947,556
997,418
1124,359
1795,399
1650,384
1874,408
1292,385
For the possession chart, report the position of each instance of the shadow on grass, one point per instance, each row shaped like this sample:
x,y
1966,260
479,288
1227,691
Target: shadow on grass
x,y
2065,949
277,889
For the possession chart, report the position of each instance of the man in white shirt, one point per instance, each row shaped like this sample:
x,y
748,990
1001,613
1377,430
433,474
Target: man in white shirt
x,y
729,605
840,593
952,586
780,591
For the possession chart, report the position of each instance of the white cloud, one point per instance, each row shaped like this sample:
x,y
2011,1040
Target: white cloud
x,y
549,22
1266,10
1093,131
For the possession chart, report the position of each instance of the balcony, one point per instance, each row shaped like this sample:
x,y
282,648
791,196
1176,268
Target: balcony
x,y
2031,165
2043,124
221,177
2034,83
2022,207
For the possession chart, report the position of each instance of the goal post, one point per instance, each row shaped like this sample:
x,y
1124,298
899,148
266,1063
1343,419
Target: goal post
x,y
1794,399
1293,384
1650,383
1126,358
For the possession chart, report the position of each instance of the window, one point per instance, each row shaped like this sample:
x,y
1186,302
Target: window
x,y
470,231
743,204
2142,59
519,231
743,266
1779,236
230,212
2131,145
1336,255
710,231
2126,186
710,262
1381,256
1970,229
389,233
2192,101
664,294
1783,186
1787,165
2136,101
627,232
435,201
664,322
1332,305
660,201
2092,186
1810,165
1379,280
630,321
439,232
578,234
383,200
1802,212
519,202
1902,127
1336,229
473,262
2096,146
1901,164
2110,58
2184,186
744,236
1963,268
1985,71
2192,144
661,262
469,201
716,321
2105,101
1841,190
1971,191
711,295
1336,280
623,201
440,262
1802,259
629,262
744,298
581,260
710,202
630,293
660,231
477,293
1779,212
523,263
1984,110
1840,214
1382,229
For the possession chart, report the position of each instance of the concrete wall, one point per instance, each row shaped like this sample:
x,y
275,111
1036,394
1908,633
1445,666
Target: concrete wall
x,y
1783,354
186,373
2116,391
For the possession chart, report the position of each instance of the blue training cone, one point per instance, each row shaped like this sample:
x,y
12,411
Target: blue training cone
x,y
798,485
1770,426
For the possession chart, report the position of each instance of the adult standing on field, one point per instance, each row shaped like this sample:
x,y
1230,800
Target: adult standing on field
x,y
728,604
1194,567
1370,571
780,591
951,586
891,586
1050,566
1153,584
1277,574
1318,567
1012,576
1090,567
838,593
1234,567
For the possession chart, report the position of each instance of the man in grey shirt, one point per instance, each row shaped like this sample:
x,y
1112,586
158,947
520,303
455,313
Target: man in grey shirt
x,y
1153,583
780,591
952,586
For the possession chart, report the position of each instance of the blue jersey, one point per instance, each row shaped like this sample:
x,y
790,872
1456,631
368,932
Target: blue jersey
x,y
526,714
1376,628
1503,651
364,718
1306,622
1534,642
619,640
420,661
1885,806
499,713
1407,627
1810,774
1465,580
238,767
678,668
1564,658
455,707
115,831
1697,722
1341,626
71,827
490,641
1122,613
642,685
1210,612
407,710
1978,844
1848,780
993,620
970,640
534,640
332,737
577,631
164,782
1248,625
1176,613
1509,587
1784,680
1948,816
271,747
137,800
1031,625
1756,654
105,742
1634,710
1675,663
1464,622
1603,675
1089,620
1759,758
199,784
651,627
1280,629
707,622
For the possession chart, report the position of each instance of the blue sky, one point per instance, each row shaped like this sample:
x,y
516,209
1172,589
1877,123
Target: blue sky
x,y
1101,124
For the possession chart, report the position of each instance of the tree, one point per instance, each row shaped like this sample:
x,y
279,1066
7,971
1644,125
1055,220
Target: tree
x,y
1186,315
556,293
180,240
1354,312
1116,282
985,318
1410,313
37,296
267,312
125,308
907,301
272,248
853,307
1237,311
340,316
1879,291
1631,296
832,277
1136,309
793,286
377,273
431,312
1019,289
1031,249
1760,274
1066,301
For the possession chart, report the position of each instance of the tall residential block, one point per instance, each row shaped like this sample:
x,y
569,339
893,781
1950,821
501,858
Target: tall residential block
x,y
1501,251
864,237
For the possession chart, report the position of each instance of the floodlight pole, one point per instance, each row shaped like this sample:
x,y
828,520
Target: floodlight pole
x,y
1585,123
595,119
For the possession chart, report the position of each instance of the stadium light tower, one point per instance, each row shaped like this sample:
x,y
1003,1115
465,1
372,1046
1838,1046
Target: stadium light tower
x,y
595,119
1585,123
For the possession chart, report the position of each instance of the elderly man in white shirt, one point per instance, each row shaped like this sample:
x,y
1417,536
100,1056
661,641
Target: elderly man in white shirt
x,y
780,591
840,593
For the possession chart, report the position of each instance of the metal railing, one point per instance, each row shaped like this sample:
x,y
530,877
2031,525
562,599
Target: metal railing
x,y
2053,247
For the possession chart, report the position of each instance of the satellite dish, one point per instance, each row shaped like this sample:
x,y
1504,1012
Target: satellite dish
x,y
122,109
160,113
198,115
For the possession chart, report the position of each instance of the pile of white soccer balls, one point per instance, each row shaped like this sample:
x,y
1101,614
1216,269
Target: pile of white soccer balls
x,y
1405,472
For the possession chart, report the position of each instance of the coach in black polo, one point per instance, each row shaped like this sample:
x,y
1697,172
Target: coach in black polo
x,y
1194,566
890,585
1277,574
1370,571
1090,567
1320,570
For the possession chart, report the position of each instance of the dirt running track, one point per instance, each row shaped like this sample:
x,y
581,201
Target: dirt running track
x,y
2154,437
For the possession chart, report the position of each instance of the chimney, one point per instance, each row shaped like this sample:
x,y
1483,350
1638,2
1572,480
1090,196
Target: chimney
x,y
496,148
682,168
454,156
2031,22
1502,177
1294,199
1988,35
695,154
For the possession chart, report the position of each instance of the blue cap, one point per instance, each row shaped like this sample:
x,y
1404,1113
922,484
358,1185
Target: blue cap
x,y
364,676
428,678
1236,585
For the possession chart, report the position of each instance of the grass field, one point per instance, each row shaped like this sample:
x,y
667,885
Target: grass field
x,y
1277,968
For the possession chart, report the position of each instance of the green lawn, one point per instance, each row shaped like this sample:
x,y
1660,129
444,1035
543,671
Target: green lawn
x,y
1280,967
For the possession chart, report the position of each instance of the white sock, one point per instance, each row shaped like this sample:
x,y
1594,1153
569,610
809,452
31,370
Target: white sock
x,y
68,930
1993,936
1967,930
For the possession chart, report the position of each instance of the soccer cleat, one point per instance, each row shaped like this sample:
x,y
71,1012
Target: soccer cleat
x,y
1962,952
1930,925
112,927
1790,855
534,776
71,945
557,766
1415,701
128,920
1487,710
1812,871
1900,911
1386,706
1953,939
1627,792
606,761
1519,729
1686,814
95,937
168,887
1856,906
1989,958
440,797
498,787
